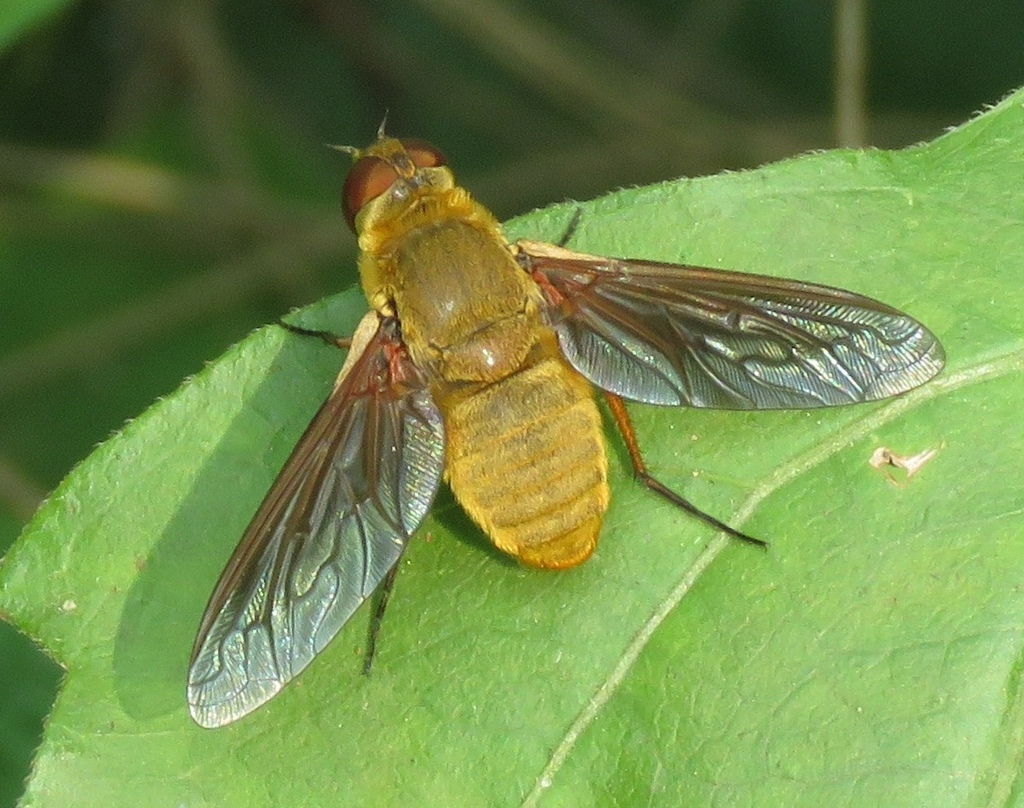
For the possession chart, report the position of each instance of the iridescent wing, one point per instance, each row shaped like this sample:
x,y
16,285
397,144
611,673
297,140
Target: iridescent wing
x,y
680,335
335,522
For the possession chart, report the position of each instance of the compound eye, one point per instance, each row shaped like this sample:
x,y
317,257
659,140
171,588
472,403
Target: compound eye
x,y
423,154
368,178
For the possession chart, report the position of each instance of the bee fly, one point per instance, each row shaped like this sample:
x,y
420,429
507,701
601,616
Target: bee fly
x,y
478,363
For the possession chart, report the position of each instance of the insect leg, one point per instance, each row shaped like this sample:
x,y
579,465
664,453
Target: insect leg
x,y
570,229
383,596
326,336
625,425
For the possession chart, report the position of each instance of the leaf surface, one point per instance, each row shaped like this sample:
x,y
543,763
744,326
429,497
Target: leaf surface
x,y
871,657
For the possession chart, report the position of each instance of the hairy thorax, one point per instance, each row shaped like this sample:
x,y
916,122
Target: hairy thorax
x,y
466,307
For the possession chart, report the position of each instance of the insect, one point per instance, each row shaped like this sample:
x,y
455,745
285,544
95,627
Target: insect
x,y
478,364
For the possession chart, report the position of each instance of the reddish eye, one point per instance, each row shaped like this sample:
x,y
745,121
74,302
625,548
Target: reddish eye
x,y
423,154
368,178
371,176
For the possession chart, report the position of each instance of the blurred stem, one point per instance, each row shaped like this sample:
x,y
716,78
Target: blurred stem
x,y
611,97
143,188
218,290
216,87
851,73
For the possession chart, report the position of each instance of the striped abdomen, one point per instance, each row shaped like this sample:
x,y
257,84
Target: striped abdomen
x,y
526,460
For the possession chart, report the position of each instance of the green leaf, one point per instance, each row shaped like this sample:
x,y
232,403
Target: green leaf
x,y
869,658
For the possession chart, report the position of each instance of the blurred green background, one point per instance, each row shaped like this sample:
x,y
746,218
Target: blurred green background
x,y
164,186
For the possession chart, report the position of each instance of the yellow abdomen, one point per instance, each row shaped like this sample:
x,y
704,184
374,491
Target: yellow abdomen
x,y
526,460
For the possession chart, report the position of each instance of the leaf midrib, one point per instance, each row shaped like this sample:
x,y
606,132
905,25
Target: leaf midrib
x,y
978,372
